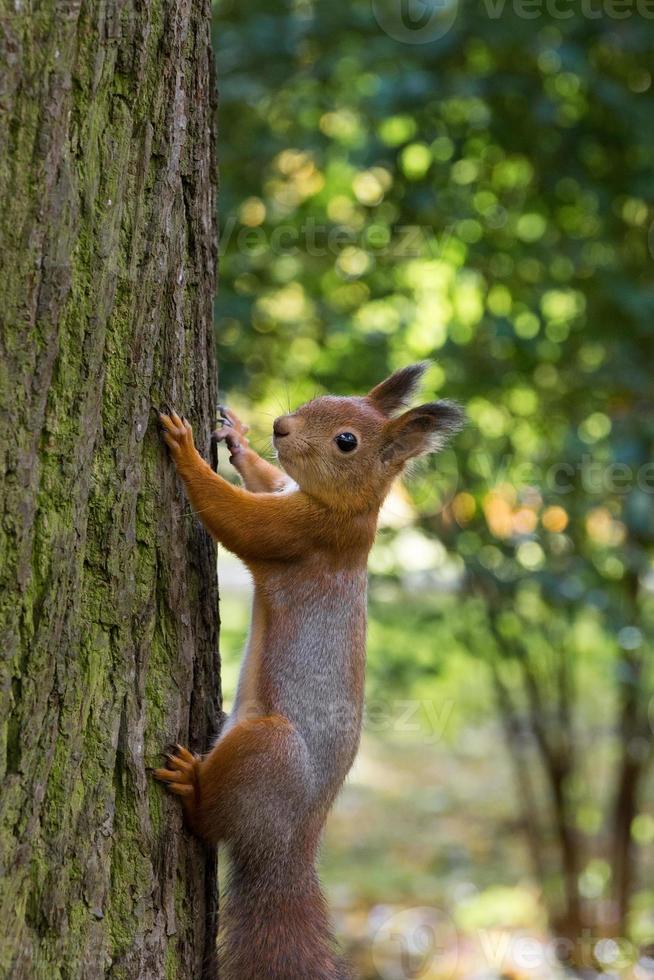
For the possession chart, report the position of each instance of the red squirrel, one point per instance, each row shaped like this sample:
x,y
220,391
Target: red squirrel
x,y
304,532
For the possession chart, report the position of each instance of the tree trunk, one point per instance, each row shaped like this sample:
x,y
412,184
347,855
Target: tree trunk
x,y
108,603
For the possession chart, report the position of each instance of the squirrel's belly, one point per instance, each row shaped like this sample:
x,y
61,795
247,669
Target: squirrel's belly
x,y
305,660
316,667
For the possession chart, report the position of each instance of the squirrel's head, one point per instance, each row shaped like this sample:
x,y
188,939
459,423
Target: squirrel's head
x,y
347,451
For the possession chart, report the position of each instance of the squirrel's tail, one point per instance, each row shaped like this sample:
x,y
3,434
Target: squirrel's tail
x,y
275,926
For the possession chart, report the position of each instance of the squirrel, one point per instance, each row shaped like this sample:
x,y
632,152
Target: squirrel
x,y
304,532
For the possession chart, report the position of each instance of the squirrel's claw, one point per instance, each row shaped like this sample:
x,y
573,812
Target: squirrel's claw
x,y
185,754
177,433
223,415
228,417
181,776
231,431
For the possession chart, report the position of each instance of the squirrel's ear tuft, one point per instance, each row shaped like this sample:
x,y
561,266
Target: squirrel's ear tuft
x,y
424,429
396,391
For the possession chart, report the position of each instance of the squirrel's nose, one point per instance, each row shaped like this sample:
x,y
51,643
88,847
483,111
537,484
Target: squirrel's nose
x,y
279,427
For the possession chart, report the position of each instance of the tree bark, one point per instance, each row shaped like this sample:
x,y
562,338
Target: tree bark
x,y
108,602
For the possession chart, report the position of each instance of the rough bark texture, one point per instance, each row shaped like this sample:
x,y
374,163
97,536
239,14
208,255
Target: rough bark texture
x,y
108,605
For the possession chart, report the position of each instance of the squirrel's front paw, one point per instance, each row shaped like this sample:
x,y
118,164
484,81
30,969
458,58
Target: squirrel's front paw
x,y
182,776
232,431
178,434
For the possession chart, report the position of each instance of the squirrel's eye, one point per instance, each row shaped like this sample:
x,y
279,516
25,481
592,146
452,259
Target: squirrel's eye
x,y
346,441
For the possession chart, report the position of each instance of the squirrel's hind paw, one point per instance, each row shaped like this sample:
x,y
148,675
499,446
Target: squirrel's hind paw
x,y
181,776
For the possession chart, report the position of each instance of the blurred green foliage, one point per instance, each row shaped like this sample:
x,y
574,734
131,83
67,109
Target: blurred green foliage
x,y
482,200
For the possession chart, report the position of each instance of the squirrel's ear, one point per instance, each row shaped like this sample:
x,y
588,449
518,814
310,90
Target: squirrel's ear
x,y
396,391
424,429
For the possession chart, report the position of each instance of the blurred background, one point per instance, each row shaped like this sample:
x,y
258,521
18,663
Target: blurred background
x,y
471,184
